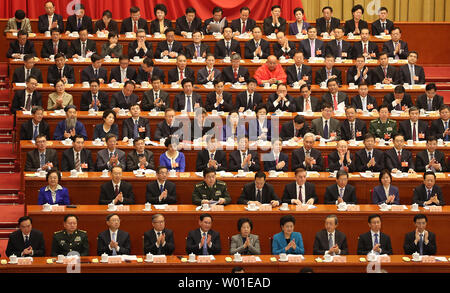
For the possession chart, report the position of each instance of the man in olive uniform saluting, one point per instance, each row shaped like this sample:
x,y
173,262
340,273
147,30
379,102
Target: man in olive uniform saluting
x,y
70,239
210,190
383,127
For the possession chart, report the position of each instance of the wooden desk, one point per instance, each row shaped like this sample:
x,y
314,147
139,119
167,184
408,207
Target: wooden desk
x,y
220,265
265,224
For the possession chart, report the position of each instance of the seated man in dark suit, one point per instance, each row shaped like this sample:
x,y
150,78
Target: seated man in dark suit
x,y
187,100
359,73
420,240
25,99
307,157
22,73
330,240
96,71
189,22
209,73
428,193
352,127
305,102
369,158
298,72
341,191
211,157
274,23
159,240
50,19
431,159
77,158
243,24
35,126
106,23
125,98
397,158
60,70
281,100
382,24
411,73
180,72
363,101
328,72
147,70
259,192
384,73
161,191
365,48
326,127
430,101
413,129
341,158
134,22
20,47
196,48
374,241
327,23
258,47
300,191
116,191
399,100
113,241
219,100
284,47
169,47
228,46
123,72
140,47
276,160
356,24
26,241
440,128
140,158
249,99
312,47
155,98
168,126
55,45
396,48
339,47
41,158
235,72
294,129
95,99
243,158
111,156
135,126
82,47
78,20
203,241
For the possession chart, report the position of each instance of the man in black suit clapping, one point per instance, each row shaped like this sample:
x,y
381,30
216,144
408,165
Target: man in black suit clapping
x,y
113,241
159,240
374,241
330,240
161,191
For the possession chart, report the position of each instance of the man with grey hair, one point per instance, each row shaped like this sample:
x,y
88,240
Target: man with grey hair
x,y
69,127
235,72
159,240
307,157
140,47
329,240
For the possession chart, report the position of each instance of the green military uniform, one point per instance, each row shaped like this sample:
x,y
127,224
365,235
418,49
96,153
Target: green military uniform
x,y
218,190
63,243
382,130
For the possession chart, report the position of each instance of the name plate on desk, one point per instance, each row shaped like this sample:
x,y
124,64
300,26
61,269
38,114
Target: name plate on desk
x,y
435,208
339,258
397,208
217,208
295,258
265,208
353,208
24,261
204,259
385,258
301,208
115,259
159,259
58,208
428,258
123,208
248,258
170,208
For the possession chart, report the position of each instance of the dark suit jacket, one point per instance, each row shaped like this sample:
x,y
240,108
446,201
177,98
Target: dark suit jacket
x,y
43,22
202,75
68,163
377,74
132,50
332,194
361,160
143,128
250,48
133,160
19,74
268,28
349,26
334,165
404,75
315,104
321,24
47,48
194,238
274,96
181,25
14,47
228,74
420,195
292,76
148,100
26,129
356,101
163,130
277,50
220,50
112,26
287,130
53,74
234,162
118,100
86,100
389,48
305,47
365,244
75,47
391,160
142,75
321,242
127,25
437,128
360,130
410,247
359,50
163,46
405,129
331,48
189,50
16,243
203,160
33,163
122,239
321,75
153,192
154,25
241,100
115,74
290,192
107,193
377,29
180,100
249,194
422,102
72,23
150,243
298,157
270,163
19,100
351,73
237,27
389,98
87,74
422,160
173,74
379,194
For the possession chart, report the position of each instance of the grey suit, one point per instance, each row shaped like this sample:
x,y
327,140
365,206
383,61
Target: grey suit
x,y
148,102
334,126
133,160
237,245
12,25
33,161
103,159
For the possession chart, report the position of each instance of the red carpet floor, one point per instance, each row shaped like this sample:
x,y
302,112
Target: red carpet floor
x,y
437,73
9,183
11,213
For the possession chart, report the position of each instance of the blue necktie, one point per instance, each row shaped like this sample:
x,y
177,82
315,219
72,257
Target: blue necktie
x,y
42,160
376,241
114,252
446,138
428,194
299,74
27,241
161,188
212,156
95,103
205,245
79,23
189,104
325,130
36,132
197,48
421,244
136,132
330,241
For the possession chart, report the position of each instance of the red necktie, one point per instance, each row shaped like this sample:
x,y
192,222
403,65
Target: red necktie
x,y
385,72
55,49
335,102
116,190
399,156
365,48
243,27
181,75
135,27
235,74
414,132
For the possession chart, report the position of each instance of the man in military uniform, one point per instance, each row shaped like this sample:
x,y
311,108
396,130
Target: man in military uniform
x,y
70,239
383,127
210,190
